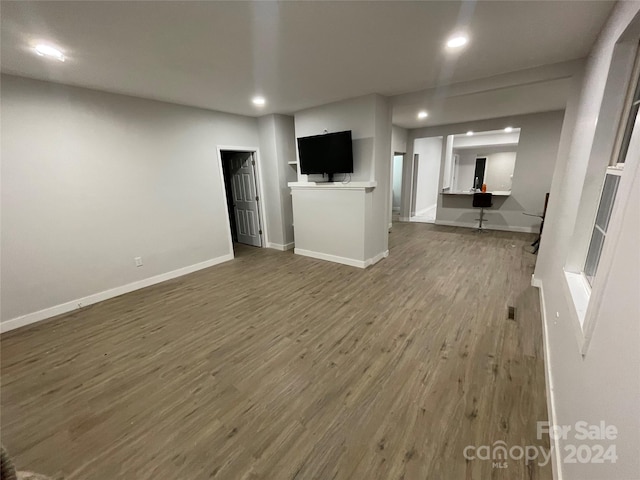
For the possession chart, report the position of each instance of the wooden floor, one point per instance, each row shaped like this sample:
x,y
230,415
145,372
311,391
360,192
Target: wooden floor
x,y
277,366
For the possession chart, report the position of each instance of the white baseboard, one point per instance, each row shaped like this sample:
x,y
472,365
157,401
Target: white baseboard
x,y
377,258
536,282
40,315
352,262
556,459
502,228
280,246
404,219
331,258
422,220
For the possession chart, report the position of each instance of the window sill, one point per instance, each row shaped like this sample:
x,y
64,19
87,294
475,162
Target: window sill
x,y
580,291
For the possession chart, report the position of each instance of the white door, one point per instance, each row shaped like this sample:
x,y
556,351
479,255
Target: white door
x,y
245,199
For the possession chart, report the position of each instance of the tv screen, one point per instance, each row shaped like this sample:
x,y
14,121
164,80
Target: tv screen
x,y
329,153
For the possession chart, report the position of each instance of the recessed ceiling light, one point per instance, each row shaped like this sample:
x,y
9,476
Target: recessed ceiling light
x,y
259,101
457,41
49,51
423,114
469,133
508,129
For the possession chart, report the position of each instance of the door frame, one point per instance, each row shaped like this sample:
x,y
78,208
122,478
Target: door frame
x,y
402,189
484,169
255,151
415,161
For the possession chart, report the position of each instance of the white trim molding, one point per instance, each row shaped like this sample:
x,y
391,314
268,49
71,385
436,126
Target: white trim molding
x,y
376,258
536,282
556,459
579,292
262,208
281,247
332,185
330,258
502,228
352,262
418,219
79,303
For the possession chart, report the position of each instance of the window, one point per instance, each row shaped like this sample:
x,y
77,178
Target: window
x,y
602,222
612,177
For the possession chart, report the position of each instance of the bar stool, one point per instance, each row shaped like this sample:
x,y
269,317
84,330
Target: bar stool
x,y
482,201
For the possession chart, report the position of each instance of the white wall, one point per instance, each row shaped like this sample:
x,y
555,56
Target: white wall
x,y
429,152
464,170
277,148
398,145
604,384
499,171
331,223
537,151
378,239
286,149
357,115
91,180
369,119
269,170
499,168
398,139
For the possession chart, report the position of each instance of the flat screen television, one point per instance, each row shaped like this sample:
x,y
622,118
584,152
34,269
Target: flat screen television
x,y
329,153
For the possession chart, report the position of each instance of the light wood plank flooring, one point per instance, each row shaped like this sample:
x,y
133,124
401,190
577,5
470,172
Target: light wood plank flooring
x,y
276,366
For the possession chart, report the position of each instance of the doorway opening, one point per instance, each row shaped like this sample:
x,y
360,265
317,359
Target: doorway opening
x,y
426,178
243,201
396,185
478,174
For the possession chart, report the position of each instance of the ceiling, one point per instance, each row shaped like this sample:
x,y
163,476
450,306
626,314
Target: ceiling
x,y
218,55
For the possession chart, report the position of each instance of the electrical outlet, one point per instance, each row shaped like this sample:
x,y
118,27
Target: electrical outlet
x,y
138,261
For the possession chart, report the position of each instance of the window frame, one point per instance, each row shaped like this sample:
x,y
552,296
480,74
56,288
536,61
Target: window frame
x,y
621,204
624,73
632,98
614,171
626,125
